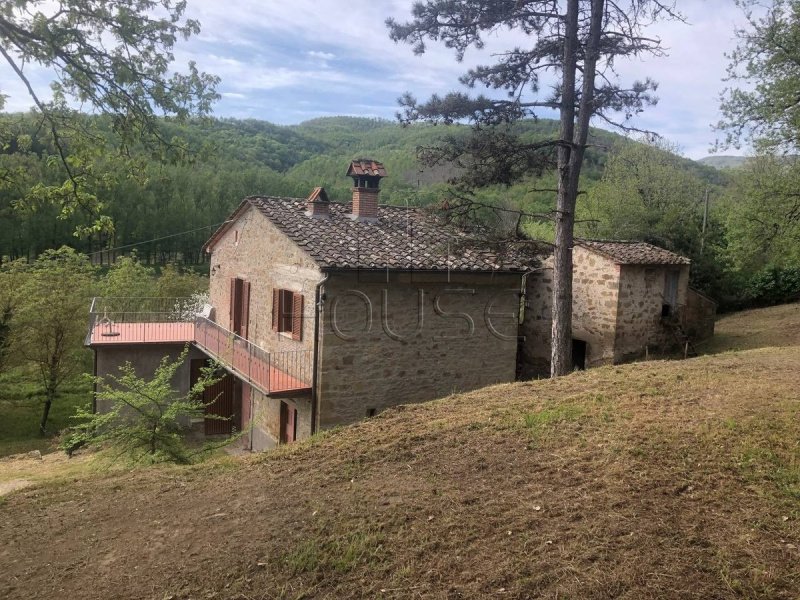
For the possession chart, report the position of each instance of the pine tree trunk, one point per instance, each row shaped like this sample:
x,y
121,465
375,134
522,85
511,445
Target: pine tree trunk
x,y
561,333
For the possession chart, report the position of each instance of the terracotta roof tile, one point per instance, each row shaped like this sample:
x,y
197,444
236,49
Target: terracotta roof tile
x,y
633,253
401,238
366,166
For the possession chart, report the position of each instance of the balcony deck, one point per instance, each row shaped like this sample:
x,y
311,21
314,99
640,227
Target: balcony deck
x,y
271,373
103,334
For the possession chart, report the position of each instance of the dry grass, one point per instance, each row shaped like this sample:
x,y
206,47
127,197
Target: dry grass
x,y
776,326
656,480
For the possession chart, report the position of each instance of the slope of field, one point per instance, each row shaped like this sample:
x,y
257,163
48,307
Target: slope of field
x,y
657,480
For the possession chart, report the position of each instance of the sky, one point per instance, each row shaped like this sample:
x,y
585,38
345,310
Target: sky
x,y
287,62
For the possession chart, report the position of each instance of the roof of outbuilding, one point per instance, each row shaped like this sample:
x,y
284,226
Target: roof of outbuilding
x,y
633,253
400,239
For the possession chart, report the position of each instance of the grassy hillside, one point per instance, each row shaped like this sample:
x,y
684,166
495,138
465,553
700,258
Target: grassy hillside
x,y
654,480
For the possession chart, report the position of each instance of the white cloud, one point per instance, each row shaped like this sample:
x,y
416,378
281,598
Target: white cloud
x,y
321,55
332,61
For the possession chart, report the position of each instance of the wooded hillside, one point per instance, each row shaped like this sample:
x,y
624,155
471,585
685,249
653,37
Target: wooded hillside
x,y
235,158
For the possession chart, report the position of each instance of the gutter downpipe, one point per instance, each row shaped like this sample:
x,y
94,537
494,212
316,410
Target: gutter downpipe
x,y
315,362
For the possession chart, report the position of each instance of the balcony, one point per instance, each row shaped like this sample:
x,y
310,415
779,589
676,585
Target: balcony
x,y
133,321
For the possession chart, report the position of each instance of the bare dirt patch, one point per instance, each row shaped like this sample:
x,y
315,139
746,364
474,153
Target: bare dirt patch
x,y
656,480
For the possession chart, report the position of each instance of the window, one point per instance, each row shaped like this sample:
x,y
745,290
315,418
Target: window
x,y
287,313
670,300
371,412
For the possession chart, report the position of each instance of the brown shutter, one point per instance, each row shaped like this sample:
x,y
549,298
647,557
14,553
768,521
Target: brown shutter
x,y
245,308
232,302
297,316
276,300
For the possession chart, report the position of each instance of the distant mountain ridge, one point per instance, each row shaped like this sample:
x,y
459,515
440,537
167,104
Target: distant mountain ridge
x,y
724,161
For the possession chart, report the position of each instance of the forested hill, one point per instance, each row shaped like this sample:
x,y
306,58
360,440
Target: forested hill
x,y
243,157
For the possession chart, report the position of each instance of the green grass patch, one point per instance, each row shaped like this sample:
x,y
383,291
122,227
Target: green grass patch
x,y
339,554
21,404
537,422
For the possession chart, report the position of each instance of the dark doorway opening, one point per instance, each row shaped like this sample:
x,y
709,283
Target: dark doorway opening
x,y
288,423
578,355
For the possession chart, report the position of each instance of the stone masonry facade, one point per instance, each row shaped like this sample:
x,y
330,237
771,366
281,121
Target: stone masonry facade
x,y
617,311
413,337
254,250
595,290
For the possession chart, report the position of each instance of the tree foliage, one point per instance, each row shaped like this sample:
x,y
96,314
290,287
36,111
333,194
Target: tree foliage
x,y
762,105
48,323
647,193
105,56
764,214
143,418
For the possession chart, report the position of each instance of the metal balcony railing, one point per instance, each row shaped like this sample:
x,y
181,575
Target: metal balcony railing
x,y
271,372
119,321
143,320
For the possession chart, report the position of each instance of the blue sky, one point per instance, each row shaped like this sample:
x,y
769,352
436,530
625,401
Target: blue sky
x,y
286,62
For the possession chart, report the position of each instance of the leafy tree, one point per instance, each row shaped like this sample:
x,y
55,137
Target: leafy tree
x,y
129,278
173,282
11,278
48,324
146,419
578,43
106,56
764,106
647,193
764,214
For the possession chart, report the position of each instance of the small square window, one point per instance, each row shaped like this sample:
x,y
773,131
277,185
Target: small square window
x,y
371,412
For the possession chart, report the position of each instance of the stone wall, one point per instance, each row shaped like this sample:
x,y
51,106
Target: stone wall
x,y
395,338
699,315
145,359
594,304
255,250
639,321
266,420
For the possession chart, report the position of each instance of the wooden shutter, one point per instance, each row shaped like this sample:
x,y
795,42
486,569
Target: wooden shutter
x,y
276,301
297,316
232,302
245,308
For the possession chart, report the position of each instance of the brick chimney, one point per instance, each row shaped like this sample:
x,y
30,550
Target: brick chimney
x,y
366,174
317,205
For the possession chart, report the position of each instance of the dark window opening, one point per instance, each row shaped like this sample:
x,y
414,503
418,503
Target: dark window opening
x,y
666,310
371,412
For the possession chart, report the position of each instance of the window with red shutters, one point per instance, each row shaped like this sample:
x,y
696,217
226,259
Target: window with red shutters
x,y
287,313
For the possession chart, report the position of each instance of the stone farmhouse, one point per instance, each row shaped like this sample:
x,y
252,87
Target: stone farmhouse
x,y
324,313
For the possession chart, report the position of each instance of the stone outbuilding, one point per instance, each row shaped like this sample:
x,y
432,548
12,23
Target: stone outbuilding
x,y
630,299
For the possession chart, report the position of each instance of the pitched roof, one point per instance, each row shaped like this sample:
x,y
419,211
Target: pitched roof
x,y
633,253
400,239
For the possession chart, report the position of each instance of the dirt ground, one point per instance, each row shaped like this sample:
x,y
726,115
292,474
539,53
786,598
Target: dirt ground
x,y
655,480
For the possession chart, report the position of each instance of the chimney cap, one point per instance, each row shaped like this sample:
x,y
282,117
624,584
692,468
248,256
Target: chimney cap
x,y
366,167
318,195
